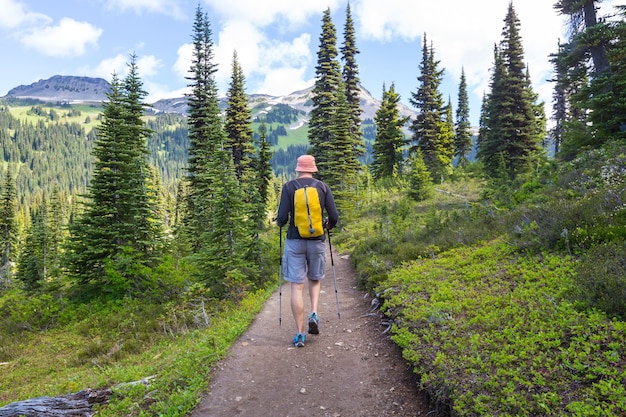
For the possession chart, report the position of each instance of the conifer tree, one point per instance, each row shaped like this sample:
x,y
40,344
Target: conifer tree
x,y
118,237
325,100
600,98
263,169
583,17
420,181
238,119
8,227
218,210
431,132
350,78
206,132
33,260
390,140
331,125
57,232
343,163
511,130
226,240
143,195
462,132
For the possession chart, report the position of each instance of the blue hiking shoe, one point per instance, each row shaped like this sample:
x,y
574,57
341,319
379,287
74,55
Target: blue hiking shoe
x,y
299,339
314,322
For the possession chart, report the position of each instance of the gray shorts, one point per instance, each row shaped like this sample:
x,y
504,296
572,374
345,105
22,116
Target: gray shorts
x,y
304,258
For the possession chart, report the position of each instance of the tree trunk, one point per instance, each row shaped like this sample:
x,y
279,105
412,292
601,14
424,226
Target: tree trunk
x,y
598,52
72,405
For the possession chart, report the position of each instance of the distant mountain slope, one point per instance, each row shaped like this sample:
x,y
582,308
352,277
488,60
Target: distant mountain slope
x,y
62,88
65,89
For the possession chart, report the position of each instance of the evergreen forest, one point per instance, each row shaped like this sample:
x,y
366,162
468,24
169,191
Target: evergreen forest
x,y
139,244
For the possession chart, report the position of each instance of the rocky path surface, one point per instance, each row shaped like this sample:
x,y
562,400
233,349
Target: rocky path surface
x,y
350,369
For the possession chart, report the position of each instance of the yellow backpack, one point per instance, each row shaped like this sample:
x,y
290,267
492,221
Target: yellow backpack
x,y
307,211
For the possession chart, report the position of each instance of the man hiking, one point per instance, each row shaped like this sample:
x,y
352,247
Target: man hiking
x,y
302,203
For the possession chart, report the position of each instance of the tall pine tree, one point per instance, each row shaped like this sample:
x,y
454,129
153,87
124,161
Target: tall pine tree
x,y
511,134
206,133
118,237
218,212
462,126
390,140
8,227
264,174
33,260
238,119
431,132
325,97
350,77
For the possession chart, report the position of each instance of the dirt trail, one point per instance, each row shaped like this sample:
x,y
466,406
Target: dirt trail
x,y
350,369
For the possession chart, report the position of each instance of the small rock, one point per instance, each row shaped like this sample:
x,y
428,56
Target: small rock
x,y
302,390
238,399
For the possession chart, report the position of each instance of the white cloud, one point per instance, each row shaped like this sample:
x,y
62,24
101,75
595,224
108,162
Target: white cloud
x,y
68,38
147,66
183,61
263,13
269,65
282,81
107,67
246,40
463,34
262,58
166,7
15,14
159,92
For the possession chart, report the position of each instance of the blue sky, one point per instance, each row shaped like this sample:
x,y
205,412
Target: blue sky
x,y
276,41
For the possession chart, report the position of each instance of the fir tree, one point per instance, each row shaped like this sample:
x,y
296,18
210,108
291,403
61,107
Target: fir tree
x,y
8,227
226,240
118,237
511,130
462,132
57,232
238,119
582,15
33,260
343,163
350,78
431,132
206,132
263,169
325,97
218,209
390,140
420,181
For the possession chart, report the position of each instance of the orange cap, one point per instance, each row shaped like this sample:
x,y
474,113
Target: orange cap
x,y
306,163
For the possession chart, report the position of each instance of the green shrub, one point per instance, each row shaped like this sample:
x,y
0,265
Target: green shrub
x,y
21,311
600,279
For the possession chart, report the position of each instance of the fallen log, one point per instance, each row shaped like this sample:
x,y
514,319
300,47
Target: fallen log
x,y
73,405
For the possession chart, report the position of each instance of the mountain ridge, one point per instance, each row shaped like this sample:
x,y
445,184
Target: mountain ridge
x,y
78,89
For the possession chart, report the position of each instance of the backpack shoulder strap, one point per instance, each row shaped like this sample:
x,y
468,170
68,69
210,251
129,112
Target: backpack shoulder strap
x,y
315,182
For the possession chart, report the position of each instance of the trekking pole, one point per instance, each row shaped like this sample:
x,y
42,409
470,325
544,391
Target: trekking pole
x,y
280,276
332,264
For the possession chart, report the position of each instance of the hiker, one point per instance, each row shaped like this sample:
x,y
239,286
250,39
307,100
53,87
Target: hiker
x,y
304,258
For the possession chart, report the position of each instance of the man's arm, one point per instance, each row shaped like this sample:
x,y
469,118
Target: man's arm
x,y
331,209
283,208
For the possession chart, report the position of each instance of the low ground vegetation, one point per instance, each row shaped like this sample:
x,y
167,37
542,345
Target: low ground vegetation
x,y
51,345
506,303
